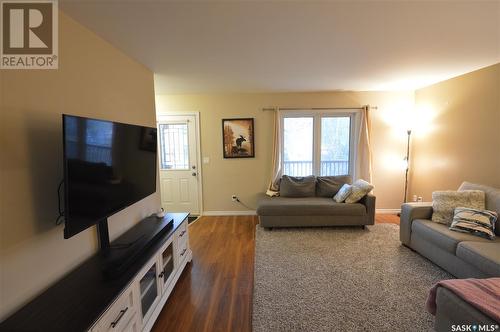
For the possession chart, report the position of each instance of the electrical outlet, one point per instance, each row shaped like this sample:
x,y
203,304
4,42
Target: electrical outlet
x,y
234,198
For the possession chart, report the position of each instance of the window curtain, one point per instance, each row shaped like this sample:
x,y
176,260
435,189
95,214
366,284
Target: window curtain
x,y
363,160
273,188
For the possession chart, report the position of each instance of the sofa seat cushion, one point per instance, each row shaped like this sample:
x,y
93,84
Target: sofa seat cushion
x,y
441,236
484,256
307,206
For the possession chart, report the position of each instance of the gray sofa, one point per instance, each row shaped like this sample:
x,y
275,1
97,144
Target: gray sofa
x,y
461,254
452,310
315,210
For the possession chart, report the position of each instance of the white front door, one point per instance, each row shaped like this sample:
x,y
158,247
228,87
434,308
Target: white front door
x,y
179,173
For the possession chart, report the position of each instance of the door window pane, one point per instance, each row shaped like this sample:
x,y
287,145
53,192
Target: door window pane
x,y
298,146
174,148
335,132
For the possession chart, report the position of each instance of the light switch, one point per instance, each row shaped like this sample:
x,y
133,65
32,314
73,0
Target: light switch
x,y
206,160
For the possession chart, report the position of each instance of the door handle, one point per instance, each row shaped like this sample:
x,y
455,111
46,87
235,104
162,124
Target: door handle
x,y
193,174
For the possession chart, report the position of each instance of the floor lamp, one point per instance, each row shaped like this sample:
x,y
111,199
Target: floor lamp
x,y
407,159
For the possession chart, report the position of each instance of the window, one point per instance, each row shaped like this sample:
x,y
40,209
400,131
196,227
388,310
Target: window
x,y
298,146
318,143
174,149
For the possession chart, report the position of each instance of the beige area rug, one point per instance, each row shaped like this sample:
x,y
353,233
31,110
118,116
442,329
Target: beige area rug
x,y
340,279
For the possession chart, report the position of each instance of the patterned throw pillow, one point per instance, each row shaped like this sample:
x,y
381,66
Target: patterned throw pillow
x,y
343,193
445,202
474,221
359,189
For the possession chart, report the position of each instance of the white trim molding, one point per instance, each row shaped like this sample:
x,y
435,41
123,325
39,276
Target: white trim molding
x,y
387,211
230,213
253,212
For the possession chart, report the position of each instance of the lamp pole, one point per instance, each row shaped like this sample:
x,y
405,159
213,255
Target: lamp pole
x,y
407,158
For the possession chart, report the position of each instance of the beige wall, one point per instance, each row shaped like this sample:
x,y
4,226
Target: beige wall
x,y
248,177
96,80
460,137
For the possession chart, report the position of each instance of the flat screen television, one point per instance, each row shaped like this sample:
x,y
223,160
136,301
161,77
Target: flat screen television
x,y
107,167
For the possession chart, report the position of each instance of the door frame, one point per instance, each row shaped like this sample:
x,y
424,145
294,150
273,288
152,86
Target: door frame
x,y
164,117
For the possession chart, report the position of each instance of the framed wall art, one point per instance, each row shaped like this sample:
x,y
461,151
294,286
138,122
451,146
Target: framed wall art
x,y
238,138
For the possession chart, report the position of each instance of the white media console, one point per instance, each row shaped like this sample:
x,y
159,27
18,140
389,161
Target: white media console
x,y
86,299
139,305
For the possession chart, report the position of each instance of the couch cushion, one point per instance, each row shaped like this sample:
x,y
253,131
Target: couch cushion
x,y
445,202
441,236
343,193
328,186
291,186
492,198
307,206
475,222
360,188
484,256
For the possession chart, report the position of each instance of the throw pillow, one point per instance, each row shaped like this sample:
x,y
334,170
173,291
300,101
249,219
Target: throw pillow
x,y
360,188
474,221
492,199
445,202
291,186
328,186
343,193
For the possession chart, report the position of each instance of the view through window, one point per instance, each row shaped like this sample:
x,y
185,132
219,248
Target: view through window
x,y
317,144
174,149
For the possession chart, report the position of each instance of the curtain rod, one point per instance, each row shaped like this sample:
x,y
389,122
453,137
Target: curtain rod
x,y
314,108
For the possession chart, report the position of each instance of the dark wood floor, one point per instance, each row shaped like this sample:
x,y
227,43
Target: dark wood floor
x,y
214,293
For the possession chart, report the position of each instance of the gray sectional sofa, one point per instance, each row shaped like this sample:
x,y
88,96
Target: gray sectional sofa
x,y
461,254
317,209
452,310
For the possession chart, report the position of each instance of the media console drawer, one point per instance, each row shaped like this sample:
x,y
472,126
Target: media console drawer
x,y
182,240
117,317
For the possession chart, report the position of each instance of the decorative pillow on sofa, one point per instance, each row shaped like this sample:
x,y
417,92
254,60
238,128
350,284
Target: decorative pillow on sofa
x,y
297,186
328,186
474,221
360,188
445,202
343,193
492,199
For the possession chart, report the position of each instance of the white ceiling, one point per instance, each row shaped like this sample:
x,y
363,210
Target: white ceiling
x,y
257,46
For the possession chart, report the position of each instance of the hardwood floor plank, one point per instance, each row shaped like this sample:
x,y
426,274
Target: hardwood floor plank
x,y
387,219
214,293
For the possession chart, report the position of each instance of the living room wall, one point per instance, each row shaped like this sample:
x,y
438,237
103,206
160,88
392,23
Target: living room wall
x,y
249,177
94,79
459,140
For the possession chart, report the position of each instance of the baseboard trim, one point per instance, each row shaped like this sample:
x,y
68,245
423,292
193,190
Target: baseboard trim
x,y
229,213
387,211
253,213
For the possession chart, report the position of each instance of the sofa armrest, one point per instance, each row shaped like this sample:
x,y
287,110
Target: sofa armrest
x,y
369,202
410,212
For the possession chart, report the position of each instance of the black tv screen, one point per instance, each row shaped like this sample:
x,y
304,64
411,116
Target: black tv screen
x,y
107,167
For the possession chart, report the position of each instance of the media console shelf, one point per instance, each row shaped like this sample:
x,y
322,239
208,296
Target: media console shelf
x,y
84,300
